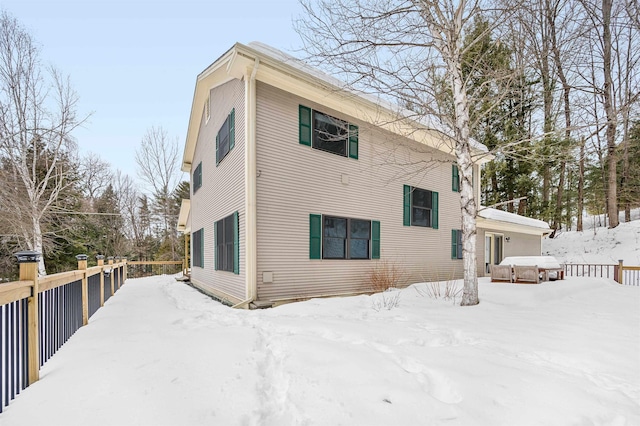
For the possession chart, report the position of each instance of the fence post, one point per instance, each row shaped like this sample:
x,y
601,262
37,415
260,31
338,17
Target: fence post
x,y
124,270
100,260
82,266
110,261
620,272
28,261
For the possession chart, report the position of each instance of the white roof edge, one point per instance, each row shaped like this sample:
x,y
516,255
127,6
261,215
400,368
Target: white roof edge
x,y
503,216
429,122
183,216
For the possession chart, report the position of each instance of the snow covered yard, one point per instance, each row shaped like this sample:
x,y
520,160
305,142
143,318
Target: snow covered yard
x,y
560,353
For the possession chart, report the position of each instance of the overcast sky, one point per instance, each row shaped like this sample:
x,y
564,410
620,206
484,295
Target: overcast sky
x,y
134,63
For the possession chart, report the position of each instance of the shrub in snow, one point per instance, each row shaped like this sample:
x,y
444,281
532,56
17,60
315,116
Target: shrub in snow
x,y
386,300
435,290
384,275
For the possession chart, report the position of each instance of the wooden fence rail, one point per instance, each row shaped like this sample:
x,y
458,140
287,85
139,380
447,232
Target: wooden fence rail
x,y
622,274
141,268
39,314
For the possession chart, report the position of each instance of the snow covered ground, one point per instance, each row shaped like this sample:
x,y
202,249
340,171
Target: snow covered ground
x,y
597,244
160,353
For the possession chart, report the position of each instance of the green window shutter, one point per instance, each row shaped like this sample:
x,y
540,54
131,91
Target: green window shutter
x,y
434,210
232,129
215,245
455,178
353,141
375,239
202,247
315,236
217,150
236,245
454,243
197,178
406,208
305,125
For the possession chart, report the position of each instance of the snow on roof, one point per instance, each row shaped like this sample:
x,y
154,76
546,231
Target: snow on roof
x,y
429,121
502,216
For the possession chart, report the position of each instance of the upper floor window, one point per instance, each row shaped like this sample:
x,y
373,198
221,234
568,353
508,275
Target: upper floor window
x,y
327,133
226,137
197,178
420,207
455,178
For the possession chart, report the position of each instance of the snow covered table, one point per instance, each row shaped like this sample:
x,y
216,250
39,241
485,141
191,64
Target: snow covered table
x,y
548,266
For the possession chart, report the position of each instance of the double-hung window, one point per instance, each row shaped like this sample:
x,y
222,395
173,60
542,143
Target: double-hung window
x,y
226,241
420,207
334,237
456,244
326,133
197,178
226,137
197,241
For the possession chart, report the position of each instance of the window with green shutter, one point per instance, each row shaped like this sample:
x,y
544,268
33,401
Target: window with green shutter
x,y
225,139
420,207
375,239
456,244
197,178
455,178
236,244
353,141
326,133
304,114
315,236
406,208
197,241
332,237
227,244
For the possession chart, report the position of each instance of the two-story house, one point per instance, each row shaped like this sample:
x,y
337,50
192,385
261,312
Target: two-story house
x,y
300,188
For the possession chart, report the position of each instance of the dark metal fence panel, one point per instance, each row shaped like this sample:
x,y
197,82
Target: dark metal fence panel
x,y
590,270
107,286
60,315
116,279
630,274
93,284
13,351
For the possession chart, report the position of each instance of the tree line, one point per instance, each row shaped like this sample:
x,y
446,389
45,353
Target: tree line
x,y
59,203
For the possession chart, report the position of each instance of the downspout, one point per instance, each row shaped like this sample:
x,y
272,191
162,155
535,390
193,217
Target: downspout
x,y
250,183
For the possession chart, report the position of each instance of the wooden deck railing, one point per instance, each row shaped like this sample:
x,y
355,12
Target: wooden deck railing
x,y
145,268
39,314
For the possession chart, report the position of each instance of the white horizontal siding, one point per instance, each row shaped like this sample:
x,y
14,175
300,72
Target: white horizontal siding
x,y
222,191
296,180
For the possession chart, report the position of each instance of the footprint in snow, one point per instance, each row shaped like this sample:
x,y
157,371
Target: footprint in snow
x,y
436,384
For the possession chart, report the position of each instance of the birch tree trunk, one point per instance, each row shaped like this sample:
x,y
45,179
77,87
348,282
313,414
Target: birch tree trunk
x,y
612,181
37,117
450,49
